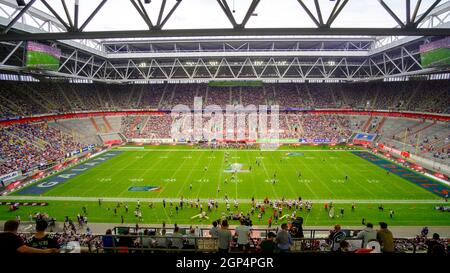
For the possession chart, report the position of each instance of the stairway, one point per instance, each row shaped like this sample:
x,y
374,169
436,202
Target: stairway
x,y
367,124
108,126
94,123
380,125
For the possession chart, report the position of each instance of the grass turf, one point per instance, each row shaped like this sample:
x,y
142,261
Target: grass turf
x,y
173,169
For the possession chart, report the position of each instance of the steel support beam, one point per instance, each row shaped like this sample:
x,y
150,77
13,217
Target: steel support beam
x,y
18,16
226,9
77,6
416,10
335,12
313,18
393,15
161,12
416,23
408,13
249,13
97,9
11,53
160,26
66,10
141,10
225,32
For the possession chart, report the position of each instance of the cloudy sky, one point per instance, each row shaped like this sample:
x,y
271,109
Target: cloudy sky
x,y
121,15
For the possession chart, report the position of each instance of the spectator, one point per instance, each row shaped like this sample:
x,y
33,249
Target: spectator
x,y
386,239
435,246
108,241
367,234
224,237
11,243
191,240
162,241
41,239
336,236
125,242
146,240
177,238
284,239
243,236
214,231
343,247
268,245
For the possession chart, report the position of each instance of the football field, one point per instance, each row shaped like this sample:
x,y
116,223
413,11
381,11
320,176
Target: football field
x,y
155,173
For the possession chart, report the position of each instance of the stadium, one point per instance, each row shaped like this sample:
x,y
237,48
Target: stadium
x,y
141,126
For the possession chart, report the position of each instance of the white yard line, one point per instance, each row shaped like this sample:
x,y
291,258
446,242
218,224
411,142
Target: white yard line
x,y
125,199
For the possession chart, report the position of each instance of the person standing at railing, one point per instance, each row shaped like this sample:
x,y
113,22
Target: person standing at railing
x,y
177,238
336,236
125,242
162,240
108,241
224,238
284,239
386,239
268,245
214,231
367,234
435,246
243,236
191,239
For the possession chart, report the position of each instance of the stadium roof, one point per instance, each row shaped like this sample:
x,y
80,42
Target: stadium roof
x,y
129,41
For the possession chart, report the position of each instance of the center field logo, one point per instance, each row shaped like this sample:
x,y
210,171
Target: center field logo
x,y
144,188
236,168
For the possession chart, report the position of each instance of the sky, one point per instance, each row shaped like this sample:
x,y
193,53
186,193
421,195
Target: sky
x,y
192,14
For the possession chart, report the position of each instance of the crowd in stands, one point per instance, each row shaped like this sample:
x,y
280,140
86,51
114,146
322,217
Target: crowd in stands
x,y
24,99
311,127
26,146
241,239
331,127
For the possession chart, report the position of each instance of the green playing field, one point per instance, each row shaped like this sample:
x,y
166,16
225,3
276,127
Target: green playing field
x,y
153,173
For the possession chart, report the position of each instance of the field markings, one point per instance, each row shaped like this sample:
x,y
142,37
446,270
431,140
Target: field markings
x,y
349,189
73,184
220,175
306,184
320,180
115,182
143,174
394,179
188,176
228,150
246,201
281,171
268,176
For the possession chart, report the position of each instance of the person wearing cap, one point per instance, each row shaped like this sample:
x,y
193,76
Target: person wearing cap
x,y
385,238
367,234
268,245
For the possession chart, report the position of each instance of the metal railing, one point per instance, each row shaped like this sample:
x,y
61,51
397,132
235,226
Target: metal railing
x,y
139,243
